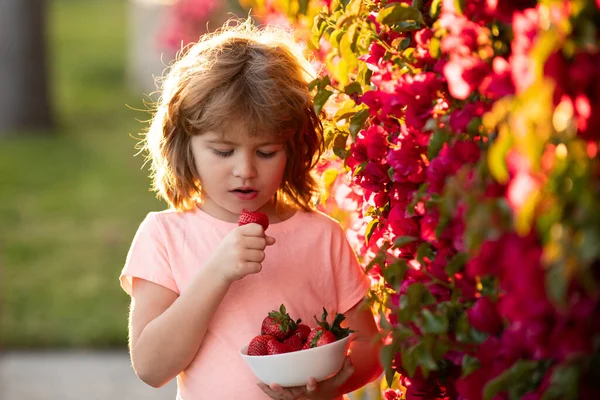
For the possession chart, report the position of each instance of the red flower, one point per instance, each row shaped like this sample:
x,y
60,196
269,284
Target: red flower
x,y
408,163
464,74
484,316
374,177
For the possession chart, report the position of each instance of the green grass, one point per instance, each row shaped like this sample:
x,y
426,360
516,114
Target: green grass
x,y
71,202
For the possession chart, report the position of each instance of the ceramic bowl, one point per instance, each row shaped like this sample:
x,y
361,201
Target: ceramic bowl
x,y
294,369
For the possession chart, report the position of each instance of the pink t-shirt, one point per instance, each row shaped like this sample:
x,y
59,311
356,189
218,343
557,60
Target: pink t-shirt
x,y
310,266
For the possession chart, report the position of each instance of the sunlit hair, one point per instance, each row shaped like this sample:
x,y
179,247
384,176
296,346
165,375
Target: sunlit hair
x,y
241,74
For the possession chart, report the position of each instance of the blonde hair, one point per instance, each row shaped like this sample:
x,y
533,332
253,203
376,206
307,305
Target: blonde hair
x,y
257,77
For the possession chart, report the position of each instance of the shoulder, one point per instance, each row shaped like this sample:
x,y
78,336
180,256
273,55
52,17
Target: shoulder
x,y
319,220
168,219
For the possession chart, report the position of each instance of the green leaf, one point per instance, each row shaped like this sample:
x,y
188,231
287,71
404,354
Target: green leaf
x,y
459,5
556,284
425,359
456,263
434,323
320,99
387,355
347,41
564,383
357,121
409,360
402,241
353,88
469,365
391,174
371,228
399,12
329,176
302,7
405,43
436,142
519,371
339,144
414,295
394,272
496,156
436,7
425,251
407,26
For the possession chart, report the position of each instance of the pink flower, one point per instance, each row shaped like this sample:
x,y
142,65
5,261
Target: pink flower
x,y
375,141
391,394
460,118
504,10
499,83
520,188
484,316
464,74
374,177
408,163
402,225
486,261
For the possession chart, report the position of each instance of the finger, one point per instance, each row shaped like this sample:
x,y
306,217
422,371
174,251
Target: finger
x,y
253,242
252,267
270,240
281,392
253,255
345,373
311,386
252,229
268,391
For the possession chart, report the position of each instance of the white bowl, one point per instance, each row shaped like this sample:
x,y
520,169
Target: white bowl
x,y
294,369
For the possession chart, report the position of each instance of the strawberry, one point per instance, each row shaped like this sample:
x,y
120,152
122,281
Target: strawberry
x,y
302,331
253,217
278,324
327,333
258,345
294,342
274,346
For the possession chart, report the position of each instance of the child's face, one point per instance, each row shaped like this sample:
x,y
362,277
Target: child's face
x,y
238,171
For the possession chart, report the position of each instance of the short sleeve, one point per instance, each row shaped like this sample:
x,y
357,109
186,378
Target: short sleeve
x,y
148,257
352,283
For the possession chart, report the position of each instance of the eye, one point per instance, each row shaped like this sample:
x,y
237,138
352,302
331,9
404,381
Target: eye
x,y
265,154
222,153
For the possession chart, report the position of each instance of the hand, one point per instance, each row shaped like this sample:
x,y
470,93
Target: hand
x,y
241,252
325,390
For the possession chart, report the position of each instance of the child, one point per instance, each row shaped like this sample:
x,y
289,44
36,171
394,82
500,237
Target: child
x,y
235,129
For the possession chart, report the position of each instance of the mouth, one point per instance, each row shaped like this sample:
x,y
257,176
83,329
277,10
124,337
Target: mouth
x,y
244,190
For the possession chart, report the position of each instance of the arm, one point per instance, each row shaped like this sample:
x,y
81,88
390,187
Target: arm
x,y
166,330
364,349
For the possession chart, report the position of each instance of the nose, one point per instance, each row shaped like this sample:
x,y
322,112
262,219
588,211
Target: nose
x,y
244,167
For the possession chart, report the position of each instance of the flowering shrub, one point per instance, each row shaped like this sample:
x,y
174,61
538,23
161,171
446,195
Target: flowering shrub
x,y
466,134
186,21
470,133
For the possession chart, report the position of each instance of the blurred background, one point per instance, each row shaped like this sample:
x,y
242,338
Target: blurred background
x,y
74,79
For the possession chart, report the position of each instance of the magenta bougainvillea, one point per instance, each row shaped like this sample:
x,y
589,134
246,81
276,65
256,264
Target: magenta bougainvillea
x,y
464,163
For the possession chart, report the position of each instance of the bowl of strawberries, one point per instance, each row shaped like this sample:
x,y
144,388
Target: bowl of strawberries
x,y
288,352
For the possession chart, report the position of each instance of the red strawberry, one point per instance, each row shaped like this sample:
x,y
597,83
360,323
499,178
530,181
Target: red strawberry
x,y
276,347
278,324
253,217
258,345
326,333
302,331
294,342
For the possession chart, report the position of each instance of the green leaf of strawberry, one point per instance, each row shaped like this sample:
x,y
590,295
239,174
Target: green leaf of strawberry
x,y
335,327
279,324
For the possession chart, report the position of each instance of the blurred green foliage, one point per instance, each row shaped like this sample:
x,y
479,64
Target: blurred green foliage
x,y
72,202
